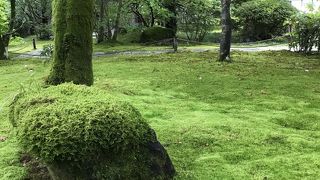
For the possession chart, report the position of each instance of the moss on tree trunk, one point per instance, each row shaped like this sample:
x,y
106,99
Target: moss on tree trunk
x,y
73,27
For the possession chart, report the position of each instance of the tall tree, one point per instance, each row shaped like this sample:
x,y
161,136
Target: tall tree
x,y
5,38
225,42
102,28
117,22
171,6
73,27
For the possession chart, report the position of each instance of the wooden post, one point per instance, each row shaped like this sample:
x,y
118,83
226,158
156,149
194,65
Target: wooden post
x,y
175,44
34,43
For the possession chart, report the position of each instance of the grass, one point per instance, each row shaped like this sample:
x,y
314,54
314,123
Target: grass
x,y
257,118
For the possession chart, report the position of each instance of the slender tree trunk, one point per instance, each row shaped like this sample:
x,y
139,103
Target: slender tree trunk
x,y
117,23
101,33
2,49
225,42
171,5
73,27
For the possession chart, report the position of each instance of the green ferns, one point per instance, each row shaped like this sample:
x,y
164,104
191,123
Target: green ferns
x,y
82,133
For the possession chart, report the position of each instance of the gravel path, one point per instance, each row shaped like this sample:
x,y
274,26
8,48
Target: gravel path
x,y
37,53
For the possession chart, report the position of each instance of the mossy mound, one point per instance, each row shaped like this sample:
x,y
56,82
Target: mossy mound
x,y
154,34
83,133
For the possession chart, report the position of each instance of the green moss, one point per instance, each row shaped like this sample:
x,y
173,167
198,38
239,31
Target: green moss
x,y
82,132
156,34
73,26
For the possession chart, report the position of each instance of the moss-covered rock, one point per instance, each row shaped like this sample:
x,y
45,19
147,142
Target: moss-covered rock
x,y
84,133
156,34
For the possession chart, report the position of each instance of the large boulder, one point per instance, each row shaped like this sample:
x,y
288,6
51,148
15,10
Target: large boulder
x,y
83,133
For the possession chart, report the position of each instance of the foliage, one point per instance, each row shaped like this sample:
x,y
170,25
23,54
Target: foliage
x,y
262,19
47,50
148,13
156,34
44,32
36,16
197,17
3,17
16,41
305,34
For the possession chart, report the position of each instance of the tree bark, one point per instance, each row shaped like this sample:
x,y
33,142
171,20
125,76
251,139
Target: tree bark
x,y
73,27
117,23
171,23
225,42
101,32
2,49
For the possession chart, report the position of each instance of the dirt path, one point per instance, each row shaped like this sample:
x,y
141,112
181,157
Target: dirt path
x,y
37,53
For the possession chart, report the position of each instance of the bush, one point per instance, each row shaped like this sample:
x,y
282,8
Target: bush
x,y
44,32
262,19
82,133
197,18
156,34
305,33
47,50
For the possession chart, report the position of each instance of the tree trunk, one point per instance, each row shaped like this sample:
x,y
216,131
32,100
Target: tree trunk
x,y
171,5
5,39
2,49
101,33
225,42
117,23
73,29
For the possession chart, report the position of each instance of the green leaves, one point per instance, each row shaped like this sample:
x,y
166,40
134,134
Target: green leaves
x,y
305,33
3,17
262,19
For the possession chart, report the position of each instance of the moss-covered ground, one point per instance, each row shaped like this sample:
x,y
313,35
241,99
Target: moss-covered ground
x,y
256,118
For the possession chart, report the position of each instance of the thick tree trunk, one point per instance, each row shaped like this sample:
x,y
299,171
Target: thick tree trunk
x,y
225,42
102,28
117,23
73,29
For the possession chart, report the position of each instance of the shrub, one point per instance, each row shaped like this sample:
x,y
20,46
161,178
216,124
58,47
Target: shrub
x,y
156,34
262,19
305,33
83,133
44,32
197,18
47,50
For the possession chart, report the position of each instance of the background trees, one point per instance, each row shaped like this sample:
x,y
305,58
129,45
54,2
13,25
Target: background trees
x,y
198,17
36,16
196,20
305,32
263,19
